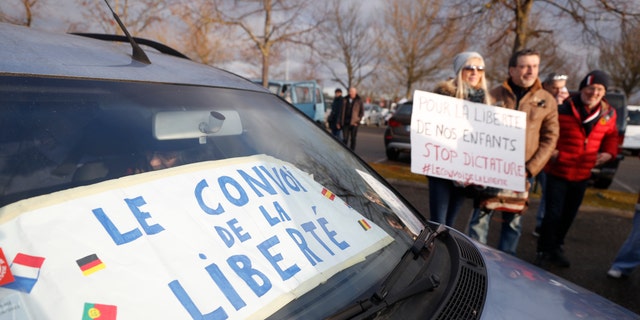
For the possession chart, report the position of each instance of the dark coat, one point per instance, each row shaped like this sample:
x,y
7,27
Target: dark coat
x,y
352,112
336,109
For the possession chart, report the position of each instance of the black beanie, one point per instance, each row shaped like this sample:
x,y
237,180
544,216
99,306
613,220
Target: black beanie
x,y
596,77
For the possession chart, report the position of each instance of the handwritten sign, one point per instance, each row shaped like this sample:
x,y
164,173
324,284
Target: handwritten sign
x,y
469,142
237,238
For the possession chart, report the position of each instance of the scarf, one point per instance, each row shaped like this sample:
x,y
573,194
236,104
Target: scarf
x,y
475,95
588,116
518,91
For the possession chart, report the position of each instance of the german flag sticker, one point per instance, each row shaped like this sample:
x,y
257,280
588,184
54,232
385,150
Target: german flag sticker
x,y
90,264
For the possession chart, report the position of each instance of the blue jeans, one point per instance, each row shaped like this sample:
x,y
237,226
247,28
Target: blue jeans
x,y
629,255
563,199
509,233
337,133
445,200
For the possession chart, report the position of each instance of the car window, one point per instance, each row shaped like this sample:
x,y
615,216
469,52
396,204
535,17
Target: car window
x,y
619,102
303,94
405,109
61,135
634,117
274,88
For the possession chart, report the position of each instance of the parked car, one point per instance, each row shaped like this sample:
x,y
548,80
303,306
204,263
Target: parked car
x,y
602,176
254,212
372,115
632,134
397,135
385,114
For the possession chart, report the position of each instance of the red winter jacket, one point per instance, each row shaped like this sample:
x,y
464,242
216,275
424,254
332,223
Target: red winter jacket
x,y
577,151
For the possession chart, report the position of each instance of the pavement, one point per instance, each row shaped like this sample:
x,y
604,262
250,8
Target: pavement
x,y
591,244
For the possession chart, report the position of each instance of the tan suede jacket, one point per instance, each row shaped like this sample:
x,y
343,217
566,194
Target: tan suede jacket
x,y
542,122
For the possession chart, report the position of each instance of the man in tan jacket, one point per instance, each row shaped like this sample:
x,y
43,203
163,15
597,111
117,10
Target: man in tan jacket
x,y
522,91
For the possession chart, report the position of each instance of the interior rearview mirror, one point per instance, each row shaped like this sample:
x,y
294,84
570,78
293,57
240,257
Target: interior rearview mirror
x,y
174,125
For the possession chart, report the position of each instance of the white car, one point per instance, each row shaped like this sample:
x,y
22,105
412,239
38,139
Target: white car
x,y
632,134
372,115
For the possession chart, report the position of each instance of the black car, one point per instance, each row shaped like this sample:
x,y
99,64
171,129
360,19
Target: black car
x,y
397,135
602,175
148,186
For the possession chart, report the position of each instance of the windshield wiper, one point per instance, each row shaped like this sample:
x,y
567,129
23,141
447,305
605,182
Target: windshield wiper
x,y
422,246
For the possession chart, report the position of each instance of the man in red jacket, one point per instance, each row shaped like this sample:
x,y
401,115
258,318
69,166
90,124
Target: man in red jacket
x,y
588,137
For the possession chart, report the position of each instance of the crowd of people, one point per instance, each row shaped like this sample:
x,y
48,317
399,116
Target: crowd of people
x,y
566,136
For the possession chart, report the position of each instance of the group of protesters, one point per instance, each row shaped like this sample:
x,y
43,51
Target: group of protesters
x,y
566,136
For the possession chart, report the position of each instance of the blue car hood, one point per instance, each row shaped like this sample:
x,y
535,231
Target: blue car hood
x,y
520,290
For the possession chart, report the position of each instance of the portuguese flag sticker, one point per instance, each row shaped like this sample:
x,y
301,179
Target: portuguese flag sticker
x,y
96,311
5,270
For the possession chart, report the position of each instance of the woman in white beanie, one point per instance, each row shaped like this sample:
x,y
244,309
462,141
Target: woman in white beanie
x,y
445,196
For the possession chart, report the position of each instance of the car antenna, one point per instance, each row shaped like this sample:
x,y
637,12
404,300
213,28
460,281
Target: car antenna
x,y
138,53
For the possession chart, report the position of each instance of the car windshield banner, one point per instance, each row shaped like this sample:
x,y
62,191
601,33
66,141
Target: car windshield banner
x,y
236,238
469,142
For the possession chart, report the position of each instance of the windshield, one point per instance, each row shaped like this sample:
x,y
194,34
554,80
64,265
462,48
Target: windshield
x,y
61,134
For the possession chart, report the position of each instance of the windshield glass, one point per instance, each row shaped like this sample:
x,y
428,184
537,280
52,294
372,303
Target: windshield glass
x,y
60,135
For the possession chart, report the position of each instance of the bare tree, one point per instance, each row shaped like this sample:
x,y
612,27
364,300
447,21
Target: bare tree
x,y
620,58
203,40
419,41
21,16
511,20
138,16
267,23
554,58
348,44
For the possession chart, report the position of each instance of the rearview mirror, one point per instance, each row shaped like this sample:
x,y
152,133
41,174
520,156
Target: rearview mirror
x,y
175,125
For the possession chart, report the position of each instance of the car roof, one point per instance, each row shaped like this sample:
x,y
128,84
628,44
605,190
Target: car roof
x,y
64,55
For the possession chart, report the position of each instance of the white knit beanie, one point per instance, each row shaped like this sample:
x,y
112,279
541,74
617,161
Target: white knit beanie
x,y
461,59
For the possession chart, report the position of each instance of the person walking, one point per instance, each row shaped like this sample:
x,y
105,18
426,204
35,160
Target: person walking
x,y
628,257
336,108
446,197
522,91
588,137
350,116
556,84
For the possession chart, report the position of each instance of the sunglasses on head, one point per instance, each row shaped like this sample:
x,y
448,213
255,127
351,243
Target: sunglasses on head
x,y
472,67
558,77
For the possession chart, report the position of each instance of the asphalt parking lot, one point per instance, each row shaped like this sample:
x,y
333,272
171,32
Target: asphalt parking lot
x,y
592,243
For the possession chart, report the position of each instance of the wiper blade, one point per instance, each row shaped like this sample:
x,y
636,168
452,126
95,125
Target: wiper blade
x,y
424,244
